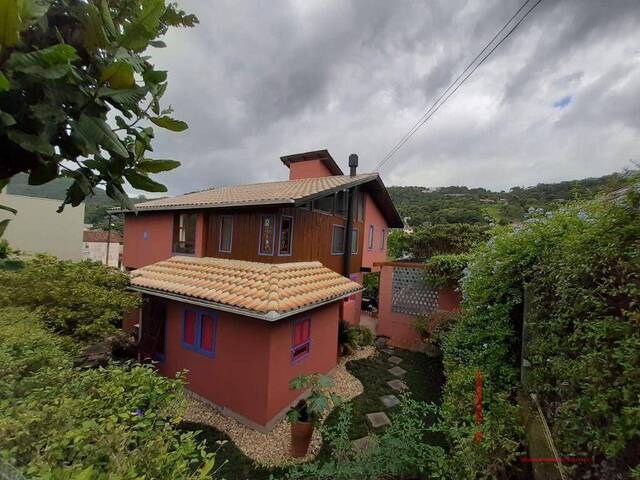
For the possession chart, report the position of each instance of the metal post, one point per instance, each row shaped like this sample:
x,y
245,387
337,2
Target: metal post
x,y
108,238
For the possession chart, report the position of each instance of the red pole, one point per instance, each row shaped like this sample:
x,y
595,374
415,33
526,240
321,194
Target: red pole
x,y
478,435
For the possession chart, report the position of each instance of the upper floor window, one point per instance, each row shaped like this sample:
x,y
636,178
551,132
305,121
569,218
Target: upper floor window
x,y
286,235
354,241
184,233
370,240
383,236
341,203
226,233
324,204
360,201
267,235
337,240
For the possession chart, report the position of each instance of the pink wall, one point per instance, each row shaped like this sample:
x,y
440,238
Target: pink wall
x,y
373,216
148,238
352,306
308,169
252,366
398,326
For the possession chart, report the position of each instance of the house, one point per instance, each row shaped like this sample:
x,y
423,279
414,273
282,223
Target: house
x,y
245,285
38,228
101,246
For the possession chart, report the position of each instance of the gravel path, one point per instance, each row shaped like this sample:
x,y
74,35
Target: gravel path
x,y
272,449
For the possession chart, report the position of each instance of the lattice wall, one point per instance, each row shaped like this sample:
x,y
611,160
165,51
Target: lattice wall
x,y
410,294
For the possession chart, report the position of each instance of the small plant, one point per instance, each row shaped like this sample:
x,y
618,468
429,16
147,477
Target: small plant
x,y
434,326
319,401
363,335
347,338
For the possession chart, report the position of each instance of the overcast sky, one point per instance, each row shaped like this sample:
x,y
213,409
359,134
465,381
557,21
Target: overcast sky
x,y
559,100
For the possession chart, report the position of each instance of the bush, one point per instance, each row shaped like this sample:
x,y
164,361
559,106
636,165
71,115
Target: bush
x,y
363,335
445,271
582,266
84,299
437,239
57,421
434,326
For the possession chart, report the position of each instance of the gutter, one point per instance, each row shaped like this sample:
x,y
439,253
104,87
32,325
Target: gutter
x,y
269,317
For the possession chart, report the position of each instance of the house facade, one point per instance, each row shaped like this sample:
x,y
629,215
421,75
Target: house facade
x,y
103,247
246,284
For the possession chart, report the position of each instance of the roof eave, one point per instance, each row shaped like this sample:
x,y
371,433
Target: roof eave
x,y
268,203
269,316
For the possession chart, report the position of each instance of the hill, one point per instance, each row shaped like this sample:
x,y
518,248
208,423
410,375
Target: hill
x,y
458,204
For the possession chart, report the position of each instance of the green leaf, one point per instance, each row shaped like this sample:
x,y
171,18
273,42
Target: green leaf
x,y
142,182
128,98
156,166
86,474
116,192
105,13
4,83
3,183
154,76
51,62
6,119
157,44
144,27
8,209
3,226
96,131
94,33
118,75
31,143
10,22
43,173
170,123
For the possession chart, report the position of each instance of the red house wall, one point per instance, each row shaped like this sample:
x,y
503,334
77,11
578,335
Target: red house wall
x,y
373,216
252,367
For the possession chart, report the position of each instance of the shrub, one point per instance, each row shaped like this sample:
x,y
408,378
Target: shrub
x,y
85,299
434,326
363,335
445,271
57,421
347,338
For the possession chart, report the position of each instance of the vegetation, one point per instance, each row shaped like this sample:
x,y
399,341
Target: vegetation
x,y
86,300
445,271
320,399
582,265
59,422
478,205
68,65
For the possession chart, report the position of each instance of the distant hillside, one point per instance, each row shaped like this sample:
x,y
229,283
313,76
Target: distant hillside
x,y
477,205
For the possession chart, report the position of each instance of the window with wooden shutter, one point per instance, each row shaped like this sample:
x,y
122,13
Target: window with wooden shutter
x,y
301,342
199,331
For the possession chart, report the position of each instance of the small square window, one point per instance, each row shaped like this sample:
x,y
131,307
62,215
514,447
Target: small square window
x,y
199,332
301,341
337,240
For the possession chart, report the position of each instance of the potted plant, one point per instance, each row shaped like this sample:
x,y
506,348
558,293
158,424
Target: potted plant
x,y
308,412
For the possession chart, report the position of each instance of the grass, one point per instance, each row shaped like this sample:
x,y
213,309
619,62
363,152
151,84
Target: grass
x,y
424,378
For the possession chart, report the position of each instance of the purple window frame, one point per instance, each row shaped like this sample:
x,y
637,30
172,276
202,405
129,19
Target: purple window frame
x,y
354,234
295,347
344,235
383,234
290,253
371,239
273,235
198,334
222,217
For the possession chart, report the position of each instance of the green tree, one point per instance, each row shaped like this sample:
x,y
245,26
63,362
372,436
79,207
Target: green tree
x,y
66,67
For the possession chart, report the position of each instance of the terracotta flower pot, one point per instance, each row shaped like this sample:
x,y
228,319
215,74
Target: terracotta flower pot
x,y
300,438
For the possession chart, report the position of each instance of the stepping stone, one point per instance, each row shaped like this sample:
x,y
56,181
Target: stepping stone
x,y
394,359
363,444
397,371
388,351
390,401
397,385
378,419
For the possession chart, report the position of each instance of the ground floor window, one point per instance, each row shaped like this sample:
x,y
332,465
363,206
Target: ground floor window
x,y
199,331
301,342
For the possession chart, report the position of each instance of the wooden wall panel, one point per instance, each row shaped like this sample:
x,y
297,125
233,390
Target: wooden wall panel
x,y
312,234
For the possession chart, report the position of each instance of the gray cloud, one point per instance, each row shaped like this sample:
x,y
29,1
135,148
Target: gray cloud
x,y
257,80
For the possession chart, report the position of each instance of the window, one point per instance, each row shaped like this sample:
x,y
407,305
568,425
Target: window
x,y
360,196
286,235
371,232
337,240
267,234
226,233
199,332
383,235
324,204
341,203
301,341
184,233
354,241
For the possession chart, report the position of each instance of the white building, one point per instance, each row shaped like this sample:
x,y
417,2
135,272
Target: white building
x,y
38,228
104,247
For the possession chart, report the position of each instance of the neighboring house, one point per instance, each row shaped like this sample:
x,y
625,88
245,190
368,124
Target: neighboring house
x,y
245,284
101,246
38,228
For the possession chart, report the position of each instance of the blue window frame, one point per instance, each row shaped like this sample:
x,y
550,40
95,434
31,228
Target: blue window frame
x,y
199,331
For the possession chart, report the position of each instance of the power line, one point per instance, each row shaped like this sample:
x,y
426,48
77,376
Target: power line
x,y
436,105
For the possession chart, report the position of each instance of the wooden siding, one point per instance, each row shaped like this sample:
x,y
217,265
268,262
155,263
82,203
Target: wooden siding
x,y
312,235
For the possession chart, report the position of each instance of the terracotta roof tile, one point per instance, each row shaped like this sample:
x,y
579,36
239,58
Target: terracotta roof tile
x,y
266,289
100,236
287,191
